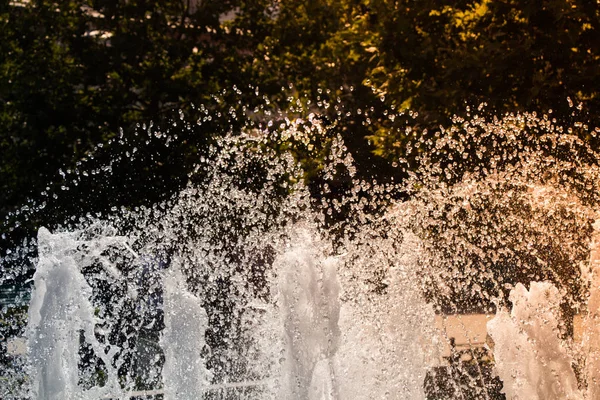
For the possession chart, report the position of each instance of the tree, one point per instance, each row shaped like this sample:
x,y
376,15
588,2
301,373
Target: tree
x,y
437,58
73,74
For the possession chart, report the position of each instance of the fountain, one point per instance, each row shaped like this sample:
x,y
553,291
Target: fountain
x,y
246,286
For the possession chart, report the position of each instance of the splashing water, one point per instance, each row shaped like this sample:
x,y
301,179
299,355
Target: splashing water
x,y
247,285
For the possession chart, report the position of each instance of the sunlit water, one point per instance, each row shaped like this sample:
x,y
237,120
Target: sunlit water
x,y
247,286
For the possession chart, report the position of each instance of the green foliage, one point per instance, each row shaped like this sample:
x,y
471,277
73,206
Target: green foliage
x,y
439,57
